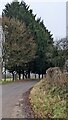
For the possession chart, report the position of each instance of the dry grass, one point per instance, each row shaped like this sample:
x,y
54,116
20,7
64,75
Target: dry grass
x,y
48,97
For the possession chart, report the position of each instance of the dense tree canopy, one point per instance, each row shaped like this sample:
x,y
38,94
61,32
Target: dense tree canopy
x,y
31,41
19,46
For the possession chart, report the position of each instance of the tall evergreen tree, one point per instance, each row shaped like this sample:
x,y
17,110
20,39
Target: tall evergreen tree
x,y
42,37
19,46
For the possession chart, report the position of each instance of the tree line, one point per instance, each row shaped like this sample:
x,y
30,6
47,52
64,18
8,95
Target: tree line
x,y
28,45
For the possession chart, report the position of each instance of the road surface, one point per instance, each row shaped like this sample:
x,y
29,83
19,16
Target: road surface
x,y
11,93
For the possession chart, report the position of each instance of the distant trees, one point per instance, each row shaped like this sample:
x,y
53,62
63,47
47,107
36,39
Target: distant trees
x,y
61,50
63,43
28,44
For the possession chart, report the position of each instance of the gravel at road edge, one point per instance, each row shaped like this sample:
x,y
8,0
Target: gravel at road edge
x,y
23,108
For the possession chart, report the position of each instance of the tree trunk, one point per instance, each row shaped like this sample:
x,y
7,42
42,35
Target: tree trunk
x,y
5,75
16,76
35,75
29,74
13,76
26,75
23,74
39,76
19,76
42,75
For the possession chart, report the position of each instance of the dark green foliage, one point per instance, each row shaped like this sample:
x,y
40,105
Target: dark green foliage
x,y
42,37
19,46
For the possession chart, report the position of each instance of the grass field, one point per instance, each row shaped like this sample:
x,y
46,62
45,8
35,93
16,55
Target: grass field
x,y
8,80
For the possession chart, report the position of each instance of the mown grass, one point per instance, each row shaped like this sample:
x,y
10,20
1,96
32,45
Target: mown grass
x,y
0,81
8,80
49,101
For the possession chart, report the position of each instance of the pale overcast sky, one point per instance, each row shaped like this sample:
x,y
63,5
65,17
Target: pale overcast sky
x,y
53,12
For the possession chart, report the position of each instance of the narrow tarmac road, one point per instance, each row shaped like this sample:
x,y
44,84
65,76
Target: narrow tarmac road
x,y
11,93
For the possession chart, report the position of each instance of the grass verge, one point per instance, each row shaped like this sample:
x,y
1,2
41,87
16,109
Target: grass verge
x,y
49,100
